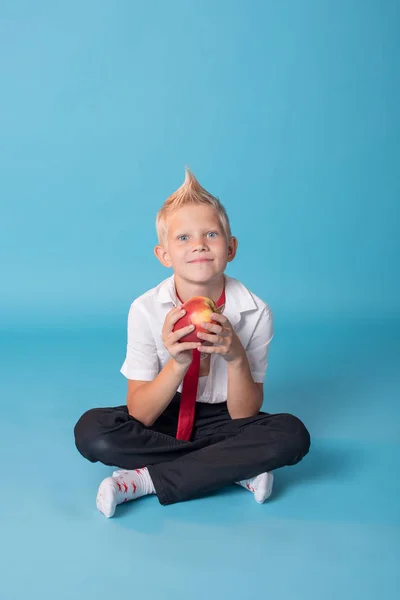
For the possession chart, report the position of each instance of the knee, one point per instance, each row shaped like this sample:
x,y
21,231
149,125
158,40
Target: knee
x,y
294,439
89,440
298,437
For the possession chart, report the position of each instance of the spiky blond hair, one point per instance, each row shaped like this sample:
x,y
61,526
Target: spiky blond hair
x,y
190,192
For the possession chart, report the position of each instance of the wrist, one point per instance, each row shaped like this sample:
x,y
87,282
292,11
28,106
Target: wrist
x,y
178,368
239,362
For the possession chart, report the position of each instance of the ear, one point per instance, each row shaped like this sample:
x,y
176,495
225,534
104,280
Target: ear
x,y
232,248
163,256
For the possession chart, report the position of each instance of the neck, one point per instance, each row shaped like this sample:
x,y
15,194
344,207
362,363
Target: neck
x,y
211,289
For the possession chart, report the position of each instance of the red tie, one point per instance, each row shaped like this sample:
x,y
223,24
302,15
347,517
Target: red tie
x,y
189,391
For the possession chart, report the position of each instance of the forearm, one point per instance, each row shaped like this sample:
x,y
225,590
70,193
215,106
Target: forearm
x,y
244,396
152,398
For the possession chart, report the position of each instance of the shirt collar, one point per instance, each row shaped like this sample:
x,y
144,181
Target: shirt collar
x,y
238,297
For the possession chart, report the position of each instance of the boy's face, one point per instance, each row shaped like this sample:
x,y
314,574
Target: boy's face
x,y
196,249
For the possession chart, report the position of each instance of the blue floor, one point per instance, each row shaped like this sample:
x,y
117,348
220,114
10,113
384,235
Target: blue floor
x,y
330,530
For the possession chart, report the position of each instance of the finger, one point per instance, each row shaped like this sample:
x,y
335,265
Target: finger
x,y
173,317
179,333
211,349
172,337
177,314
220,318
173,310
210,337
183,346
212,327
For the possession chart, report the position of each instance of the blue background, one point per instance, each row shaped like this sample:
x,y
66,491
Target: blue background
x,y
288,112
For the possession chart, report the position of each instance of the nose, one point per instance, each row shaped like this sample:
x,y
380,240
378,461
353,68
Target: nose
x,y
199,244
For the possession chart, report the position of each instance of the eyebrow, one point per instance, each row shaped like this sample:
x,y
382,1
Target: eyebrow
x,y
209,228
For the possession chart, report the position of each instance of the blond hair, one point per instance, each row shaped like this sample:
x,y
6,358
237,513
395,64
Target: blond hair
x,y
190,192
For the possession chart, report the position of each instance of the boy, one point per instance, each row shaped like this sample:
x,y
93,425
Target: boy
x,y
185,433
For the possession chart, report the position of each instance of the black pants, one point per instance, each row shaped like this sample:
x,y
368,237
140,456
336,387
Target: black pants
x,y
222,450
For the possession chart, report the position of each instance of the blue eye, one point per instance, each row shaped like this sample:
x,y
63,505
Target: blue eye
x,y
182,237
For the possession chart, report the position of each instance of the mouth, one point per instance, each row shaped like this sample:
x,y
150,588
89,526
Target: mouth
x,y
200,260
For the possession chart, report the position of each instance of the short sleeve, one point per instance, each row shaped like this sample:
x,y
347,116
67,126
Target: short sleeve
x,y
257,349
141,360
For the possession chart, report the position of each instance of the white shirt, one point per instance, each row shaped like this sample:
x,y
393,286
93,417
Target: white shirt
x,y
146,355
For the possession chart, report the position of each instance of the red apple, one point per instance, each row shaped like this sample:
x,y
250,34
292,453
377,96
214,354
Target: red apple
x,y
198,310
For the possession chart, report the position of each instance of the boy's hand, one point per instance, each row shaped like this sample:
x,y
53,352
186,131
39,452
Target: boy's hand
x,y
224,340
181,352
